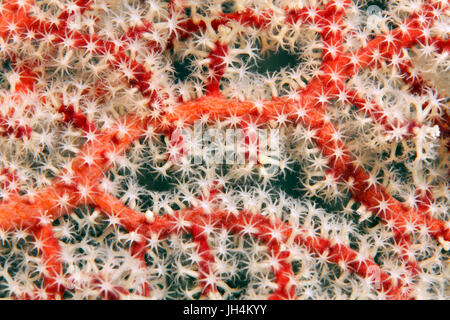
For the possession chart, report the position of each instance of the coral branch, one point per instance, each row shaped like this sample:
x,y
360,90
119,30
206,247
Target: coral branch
x,y
120,135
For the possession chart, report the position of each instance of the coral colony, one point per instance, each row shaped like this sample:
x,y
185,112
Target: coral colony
x,y
247,149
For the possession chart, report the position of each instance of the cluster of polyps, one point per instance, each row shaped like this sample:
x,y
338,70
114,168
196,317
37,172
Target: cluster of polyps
x,y
89,89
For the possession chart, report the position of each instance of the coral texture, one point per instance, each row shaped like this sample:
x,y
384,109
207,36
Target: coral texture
x,y
117,179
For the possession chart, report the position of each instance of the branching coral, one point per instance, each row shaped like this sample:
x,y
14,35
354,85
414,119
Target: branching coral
x,y
103,195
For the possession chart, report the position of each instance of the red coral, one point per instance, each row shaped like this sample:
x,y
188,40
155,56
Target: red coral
x,y
307,108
